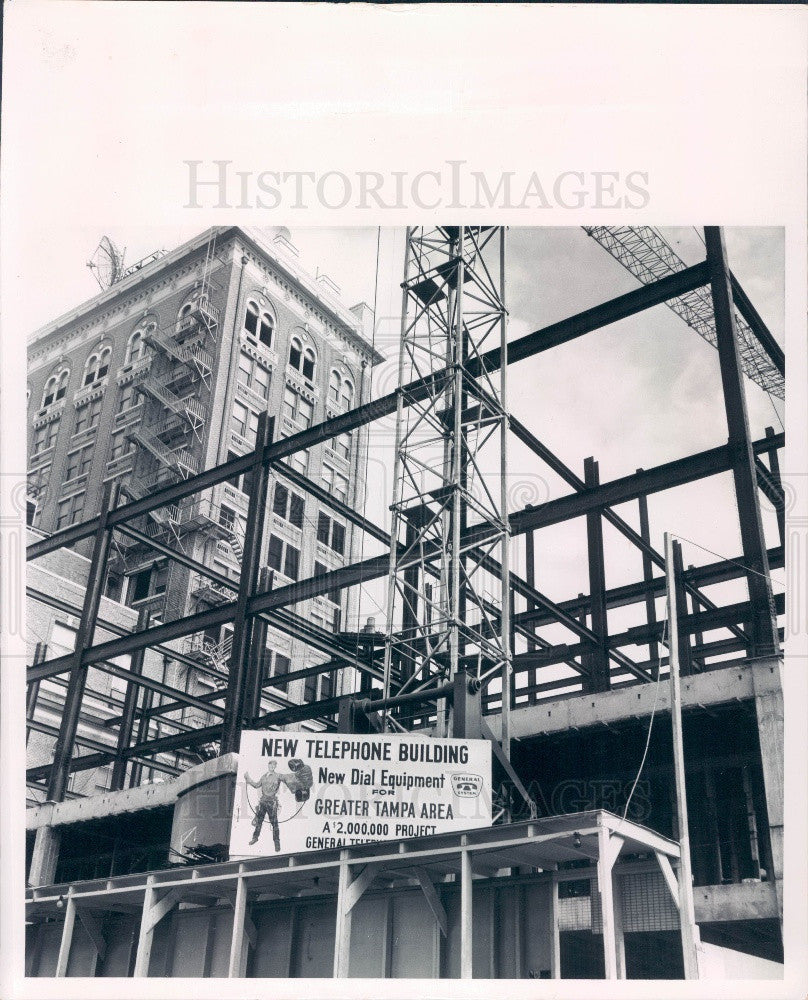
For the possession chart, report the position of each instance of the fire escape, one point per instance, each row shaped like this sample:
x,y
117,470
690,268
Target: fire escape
x,y
176,390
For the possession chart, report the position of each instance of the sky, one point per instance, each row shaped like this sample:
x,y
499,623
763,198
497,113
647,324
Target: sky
x,y
636,394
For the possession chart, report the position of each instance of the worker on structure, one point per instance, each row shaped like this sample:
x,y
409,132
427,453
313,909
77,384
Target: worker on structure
x,y
269,784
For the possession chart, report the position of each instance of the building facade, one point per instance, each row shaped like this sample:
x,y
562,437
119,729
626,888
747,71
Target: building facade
x,y
164,374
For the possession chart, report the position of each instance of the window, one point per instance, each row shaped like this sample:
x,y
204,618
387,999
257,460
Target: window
x,y
340,391
243,481
258,324
136,347
227,517
87,415
129,397
299,461
319,570
44,437
303,360
120,445
288,505
283,557
245,422
149,582
296,408
55,387
97,365
69,511
310,689
254,375
79,462
341,445
276,670
335,483
330,533
347,393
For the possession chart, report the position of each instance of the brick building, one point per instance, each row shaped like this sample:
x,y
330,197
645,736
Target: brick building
x,y
163,374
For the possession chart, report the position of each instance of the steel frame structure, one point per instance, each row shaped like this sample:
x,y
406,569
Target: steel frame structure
x,y
595,657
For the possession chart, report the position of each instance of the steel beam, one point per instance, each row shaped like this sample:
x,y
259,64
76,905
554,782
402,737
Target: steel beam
x,y
524,347
599,655
68,726
239,674
118,778
742,459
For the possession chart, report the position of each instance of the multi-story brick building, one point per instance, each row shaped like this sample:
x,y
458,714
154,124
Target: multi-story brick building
x,y
163,374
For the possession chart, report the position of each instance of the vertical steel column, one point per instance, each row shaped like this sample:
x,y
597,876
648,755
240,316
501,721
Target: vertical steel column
x,y
505,581
63,751
774,468
33,690
685,659
764,635
239,675
687,919
648,576
260,629
146,702
466,916
698,637
530,579
118,778
599,678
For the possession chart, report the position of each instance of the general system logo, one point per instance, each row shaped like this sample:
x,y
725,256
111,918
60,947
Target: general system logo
x,y
467,786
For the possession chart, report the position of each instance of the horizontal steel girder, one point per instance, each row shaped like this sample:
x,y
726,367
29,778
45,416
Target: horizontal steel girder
x,y
524,347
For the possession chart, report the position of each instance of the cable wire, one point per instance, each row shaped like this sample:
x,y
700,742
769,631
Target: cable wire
x,y
651,721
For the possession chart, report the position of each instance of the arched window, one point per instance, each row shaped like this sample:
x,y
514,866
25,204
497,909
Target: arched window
x,y
295,353
347,393
334,385
97,365
258,323
55,387
309,361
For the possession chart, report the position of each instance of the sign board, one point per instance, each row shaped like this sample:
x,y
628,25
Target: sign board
x,y
312,791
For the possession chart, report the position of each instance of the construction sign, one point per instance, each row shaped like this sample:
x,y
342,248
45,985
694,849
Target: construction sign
x,y
312,791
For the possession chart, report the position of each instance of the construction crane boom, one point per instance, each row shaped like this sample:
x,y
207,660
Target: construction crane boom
x,y
644,252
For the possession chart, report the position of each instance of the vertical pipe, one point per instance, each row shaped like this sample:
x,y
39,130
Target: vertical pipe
x,y
68,726
687,917
239,677
118,778
466,927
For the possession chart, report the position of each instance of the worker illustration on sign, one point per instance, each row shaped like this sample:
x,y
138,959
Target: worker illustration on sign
x,y
298,780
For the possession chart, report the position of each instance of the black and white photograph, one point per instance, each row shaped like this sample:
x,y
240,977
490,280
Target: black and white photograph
x,y
403,559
